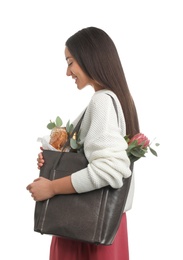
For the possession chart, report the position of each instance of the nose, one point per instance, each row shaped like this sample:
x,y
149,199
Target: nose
x,y
68,72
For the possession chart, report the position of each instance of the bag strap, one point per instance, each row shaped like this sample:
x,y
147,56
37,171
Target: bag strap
x,y
128,180
115,106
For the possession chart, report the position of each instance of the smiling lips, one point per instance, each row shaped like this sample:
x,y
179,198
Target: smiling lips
x,y
75,78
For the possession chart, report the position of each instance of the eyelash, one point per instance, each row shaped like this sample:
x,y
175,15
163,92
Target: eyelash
x,y
70,64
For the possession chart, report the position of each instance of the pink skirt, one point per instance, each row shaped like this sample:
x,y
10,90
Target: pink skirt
x,y
64,249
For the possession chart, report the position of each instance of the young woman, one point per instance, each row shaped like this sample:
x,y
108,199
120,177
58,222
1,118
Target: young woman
x,y
93,61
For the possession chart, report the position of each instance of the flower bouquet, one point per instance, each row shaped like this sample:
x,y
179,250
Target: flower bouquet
x,y
138,146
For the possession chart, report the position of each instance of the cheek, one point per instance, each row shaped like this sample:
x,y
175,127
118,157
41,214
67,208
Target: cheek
x,y
84,78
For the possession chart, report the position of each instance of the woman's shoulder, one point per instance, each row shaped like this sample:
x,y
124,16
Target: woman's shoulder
x,y
106,103
103,104
103,96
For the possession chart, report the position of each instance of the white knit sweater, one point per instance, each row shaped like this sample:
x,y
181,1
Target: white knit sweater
x,y
104,146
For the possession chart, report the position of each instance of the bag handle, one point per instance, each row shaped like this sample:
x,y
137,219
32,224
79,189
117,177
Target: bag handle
x,y
115,106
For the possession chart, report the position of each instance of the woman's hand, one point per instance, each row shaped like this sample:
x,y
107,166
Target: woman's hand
x,y
40,160
41,189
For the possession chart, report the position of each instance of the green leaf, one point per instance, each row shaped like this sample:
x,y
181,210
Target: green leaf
x,y
127,139
153,151
69,127
73,144
58,121
132,145
138,153
51,125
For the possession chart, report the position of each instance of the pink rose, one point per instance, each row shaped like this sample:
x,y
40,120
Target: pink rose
x,y
141,140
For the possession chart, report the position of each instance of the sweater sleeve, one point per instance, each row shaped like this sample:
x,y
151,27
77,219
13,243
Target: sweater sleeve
x,y
104,147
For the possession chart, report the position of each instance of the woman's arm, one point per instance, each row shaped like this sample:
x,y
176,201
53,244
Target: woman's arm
x,y
42,188
104,146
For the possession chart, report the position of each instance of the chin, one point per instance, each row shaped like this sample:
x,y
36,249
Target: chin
x,y
80,87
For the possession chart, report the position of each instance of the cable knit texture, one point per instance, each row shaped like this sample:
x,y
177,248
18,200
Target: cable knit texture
x,y
104,145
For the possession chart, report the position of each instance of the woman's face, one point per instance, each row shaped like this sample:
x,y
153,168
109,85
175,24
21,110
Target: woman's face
x,y
75,71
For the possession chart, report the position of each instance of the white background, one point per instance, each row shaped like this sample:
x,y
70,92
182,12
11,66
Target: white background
x,y
35,89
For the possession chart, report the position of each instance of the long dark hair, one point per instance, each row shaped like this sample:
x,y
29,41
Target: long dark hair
x,y
96,54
